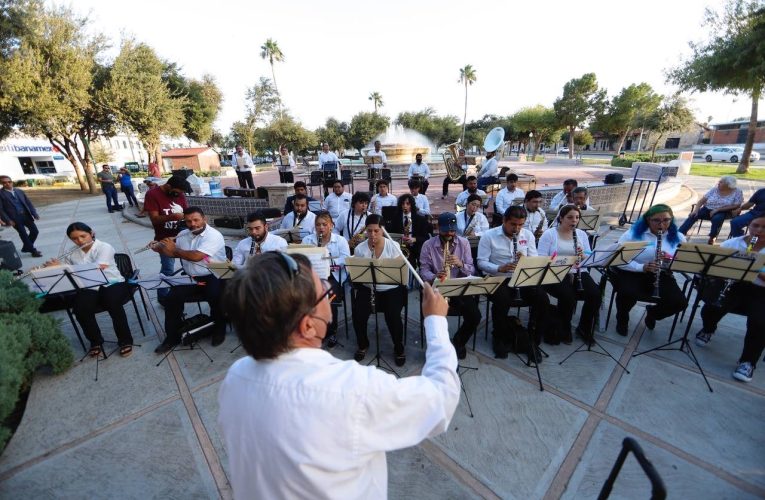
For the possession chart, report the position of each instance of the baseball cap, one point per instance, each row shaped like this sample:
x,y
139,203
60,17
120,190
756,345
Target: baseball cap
x,y
447,221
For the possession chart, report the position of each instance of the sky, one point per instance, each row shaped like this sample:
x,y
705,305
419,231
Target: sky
x,y
337,52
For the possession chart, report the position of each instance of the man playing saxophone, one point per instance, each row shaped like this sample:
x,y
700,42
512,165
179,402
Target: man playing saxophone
x,y
742,298
351,222
413,227
445,257
471,222
536,222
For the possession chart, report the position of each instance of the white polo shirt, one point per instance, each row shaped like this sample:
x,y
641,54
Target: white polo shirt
x,y
210,242
270,243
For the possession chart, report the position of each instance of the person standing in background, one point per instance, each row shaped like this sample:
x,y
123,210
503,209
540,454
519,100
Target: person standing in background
x,y
242,163
126,184
17,211
106,179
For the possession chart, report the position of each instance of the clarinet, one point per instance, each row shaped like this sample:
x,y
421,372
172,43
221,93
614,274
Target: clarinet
x,y
578,275
659,257
728,283
515,261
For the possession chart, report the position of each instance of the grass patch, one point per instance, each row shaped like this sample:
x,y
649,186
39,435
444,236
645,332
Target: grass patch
x,y
595,161
708,170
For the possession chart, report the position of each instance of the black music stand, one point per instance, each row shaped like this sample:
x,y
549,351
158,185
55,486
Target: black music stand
x,y
658,490
463,287
378,272
536,272
706,261
285,177
374,174
192,344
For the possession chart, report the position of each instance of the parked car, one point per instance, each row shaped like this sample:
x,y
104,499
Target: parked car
x,y
563,150
731,154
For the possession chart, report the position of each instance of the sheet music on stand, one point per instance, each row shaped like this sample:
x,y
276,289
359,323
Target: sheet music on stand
x,y
589,220
371,161
292,235
617,254
470,285
319,257
68,277
530,269
222,270
159,281
689,258
387,271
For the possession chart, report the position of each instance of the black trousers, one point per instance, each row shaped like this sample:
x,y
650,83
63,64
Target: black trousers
x,y
338,290
447,180
747,299
129,193
208,289
631,287
286,177
567,296
504,298
390,302
88,302
471,316
28,232
245,179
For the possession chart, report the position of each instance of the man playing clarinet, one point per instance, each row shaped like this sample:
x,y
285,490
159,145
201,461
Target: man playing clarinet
x,y
259,241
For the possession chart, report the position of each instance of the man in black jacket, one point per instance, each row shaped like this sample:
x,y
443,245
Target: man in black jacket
x,y
17,211
419,227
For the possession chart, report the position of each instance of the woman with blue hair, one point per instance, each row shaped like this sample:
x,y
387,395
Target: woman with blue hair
x,y
635,281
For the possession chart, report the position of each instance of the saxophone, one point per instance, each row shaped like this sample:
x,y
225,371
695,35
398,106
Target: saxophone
x,y
470,227
659,258
405,235
357,238
447,267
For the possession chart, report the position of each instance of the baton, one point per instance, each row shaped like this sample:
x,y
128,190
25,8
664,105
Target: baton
x,y
409,264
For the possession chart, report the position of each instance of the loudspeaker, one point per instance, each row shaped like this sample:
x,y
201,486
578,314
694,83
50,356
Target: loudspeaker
x,y
195,328
613,179
9,257
230,222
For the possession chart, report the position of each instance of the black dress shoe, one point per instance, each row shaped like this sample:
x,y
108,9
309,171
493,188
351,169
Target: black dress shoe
x,y
360,354
36,253
621,328
217,339
400,359
650,320
165,347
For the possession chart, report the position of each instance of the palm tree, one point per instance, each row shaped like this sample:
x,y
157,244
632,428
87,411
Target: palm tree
x,y
468,77
271,51
376,98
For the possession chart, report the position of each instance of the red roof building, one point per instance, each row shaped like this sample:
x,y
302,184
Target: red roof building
x,y
198,159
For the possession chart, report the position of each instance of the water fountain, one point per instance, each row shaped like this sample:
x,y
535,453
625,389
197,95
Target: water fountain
x,y
401,145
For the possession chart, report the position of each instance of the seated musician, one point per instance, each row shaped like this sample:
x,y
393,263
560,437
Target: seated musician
x,y
286,165
579,199
109,297
741,298
300,188
566,240
460,262
565,197
636,279
423,205
472,188
197,244
351,222
388,299
505,197
488,173
499,250
338,200
382,161
471,222
421,171
338,250
414,227
259,241
536,222
383,198
300,217
461,161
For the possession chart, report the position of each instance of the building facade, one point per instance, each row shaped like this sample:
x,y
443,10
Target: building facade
x,y
26,157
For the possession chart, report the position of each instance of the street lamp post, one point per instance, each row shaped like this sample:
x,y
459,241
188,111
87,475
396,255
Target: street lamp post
x,y
531,146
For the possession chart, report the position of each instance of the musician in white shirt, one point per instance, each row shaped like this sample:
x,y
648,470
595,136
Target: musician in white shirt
x,y
351,222
488,173
338,250
423,205
286,166
472,188
300,216
383,198
536,221
472,219
506,196
327,157
566,197
337,201
499,250
421,170
276,403
378,153
259,241
242,163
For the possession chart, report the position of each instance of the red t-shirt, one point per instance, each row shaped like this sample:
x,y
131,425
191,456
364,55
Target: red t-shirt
x,y
156,200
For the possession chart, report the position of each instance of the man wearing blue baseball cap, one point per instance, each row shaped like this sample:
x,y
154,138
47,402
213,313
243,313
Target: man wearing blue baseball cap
x,y
458,264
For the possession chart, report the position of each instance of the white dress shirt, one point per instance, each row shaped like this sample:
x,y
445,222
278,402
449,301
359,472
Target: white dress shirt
x,y
210,242
289,167
100,253
390,251
559,200
381,155
422,170
336,204
504,199
550,243
274,416
489,168
378,202
649,253
495,249
534,218
242,163
329,157
479,221
307,225
423,205
338,250
463,196
740,245
350,224
270,243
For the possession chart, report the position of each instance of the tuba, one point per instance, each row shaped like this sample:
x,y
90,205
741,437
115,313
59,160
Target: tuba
x,y
495,141
451,154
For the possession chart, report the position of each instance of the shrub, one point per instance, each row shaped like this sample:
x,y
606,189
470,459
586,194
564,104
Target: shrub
x,y
28,340
629,159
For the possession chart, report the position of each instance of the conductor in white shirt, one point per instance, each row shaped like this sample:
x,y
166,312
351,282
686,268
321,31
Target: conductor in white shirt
x,y
242,163
420,170
275,404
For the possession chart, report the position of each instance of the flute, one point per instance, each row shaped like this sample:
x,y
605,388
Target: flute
x,y
63,255
151,245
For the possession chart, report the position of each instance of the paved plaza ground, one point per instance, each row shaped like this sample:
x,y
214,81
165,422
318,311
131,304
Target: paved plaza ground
x,y
143,431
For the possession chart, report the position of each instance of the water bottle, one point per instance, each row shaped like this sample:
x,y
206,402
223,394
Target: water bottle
x,y
215,190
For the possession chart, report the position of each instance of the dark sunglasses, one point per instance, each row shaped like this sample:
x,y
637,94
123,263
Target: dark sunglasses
x,y
293,269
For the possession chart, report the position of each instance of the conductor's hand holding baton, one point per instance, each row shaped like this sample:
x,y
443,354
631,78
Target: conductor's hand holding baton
x,y
433,303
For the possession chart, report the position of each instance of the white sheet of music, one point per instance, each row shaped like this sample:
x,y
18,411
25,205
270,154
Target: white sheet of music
x,y
319,257
50,280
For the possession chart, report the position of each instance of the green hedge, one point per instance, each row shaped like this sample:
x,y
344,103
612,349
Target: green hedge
x,y
629,159
28,341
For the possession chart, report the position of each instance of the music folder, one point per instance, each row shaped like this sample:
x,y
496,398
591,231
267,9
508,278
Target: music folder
x,y
386,271
68,277
373,160
319,257
222,270
617,254
470,285
720,262
540,270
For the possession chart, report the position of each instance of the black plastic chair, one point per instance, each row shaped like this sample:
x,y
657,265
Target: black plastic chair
x,y
316,179
229,253
346,177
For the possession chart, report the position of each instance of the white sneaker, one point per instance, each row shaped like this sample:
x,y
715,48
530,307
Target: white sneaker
x,y
703,338
744,372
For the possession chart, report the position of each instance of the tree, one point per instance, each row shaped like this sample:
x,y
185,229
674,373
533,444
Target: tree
x,y
202,101
364,127
271,51
262,103
467,77
627,111
376,98
241,133
540,121
581,100
582,138
477,129
101,154
673,114
285,131
731,60
334,133
439,129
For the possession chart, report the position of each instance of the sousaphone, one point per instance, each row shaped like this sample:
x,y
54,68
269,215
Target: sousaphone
x,y
494,141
